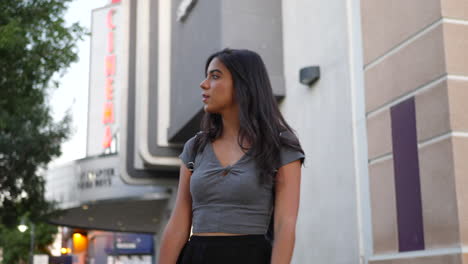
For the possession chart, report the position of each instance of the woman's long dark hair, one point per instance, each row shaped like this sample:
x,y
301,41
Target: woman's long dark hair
x,y
261,122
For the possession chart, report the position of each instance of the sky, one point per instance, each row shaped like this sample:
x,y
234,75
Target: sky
x,y
73,91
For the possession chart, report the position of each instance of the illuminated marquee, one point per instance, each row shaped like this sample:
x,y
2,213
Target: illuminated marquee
x,y
110,64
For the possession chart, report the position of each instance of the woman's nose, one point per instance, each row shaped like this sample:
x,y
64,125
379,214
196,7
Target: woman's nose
x,y
204,84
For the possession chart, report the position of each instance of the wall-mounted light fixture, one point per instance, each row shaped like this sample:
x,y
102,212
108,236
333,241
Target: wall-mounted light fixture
x,y
309,75
184,9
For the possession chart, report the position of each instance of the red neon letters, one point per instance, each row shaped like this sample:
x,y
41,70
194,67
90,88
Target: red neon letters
x,y
108,114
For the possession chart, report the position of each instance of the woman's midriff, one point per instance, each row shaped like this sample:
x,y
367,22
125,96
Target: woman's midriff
x,y
217,234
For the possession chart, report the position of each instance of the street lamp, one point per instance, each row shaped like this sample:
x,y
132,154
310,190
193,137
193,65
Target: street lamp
x,y
22,228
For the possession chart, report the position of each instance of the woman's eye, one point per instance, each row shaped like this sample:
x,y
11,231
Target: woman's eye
x,y
215,77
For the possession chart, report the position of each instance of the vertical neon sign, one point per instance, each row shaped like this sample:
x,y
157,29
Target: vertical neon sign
x,y
108,113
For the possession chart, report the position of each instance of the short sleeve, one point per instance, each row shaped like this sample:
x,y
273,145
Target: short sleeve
x,y
288,155
186,155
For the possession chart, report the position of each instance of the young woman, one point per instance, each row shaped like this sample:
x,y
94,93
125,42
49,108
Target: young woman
x,y
240,179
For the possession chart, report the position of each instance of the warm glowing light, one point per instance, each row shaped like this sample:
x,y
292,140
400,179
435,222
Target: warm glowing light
x,y
63,250
108,117
80,243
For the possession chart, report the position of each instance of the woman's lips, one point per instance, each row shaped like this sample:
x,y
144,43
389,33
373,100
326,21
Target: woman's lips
x,y
205,97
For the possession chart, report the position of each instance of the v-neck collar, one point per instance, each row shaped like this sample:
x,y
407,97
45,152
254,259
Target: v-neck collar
x,y
219,163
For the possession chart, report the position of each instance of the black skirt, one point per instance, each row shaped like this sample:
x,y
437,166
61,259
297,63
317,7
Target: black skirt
x,y
245,249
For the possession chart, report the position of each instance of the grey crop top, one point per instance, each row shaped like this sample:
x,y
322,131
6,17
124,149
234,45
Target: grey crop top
x,y
230,199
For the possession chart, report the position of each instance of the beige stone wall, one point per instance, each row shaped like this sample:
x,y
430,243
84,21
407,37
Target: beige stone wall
x,y
419,49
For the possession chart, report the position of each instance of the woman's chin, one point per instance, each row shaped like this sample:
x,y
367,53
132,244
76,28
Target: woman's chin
x,y
208,109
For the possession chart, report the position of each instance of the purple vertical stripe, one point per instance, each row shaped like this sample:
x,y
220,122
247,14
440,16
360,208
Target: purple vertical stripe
x,y
407,186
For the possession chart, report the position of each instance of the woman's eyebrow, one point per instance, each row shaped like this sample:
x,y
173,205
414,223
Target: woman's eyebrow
x,y
215,70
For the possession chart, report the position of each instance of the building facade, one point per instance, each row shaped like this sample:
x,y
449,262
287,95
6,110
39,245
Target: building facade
x,y
384,129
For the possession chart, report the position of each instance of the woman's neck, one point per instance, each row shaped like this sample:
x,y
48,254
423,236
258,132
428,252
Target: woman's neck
x,y
231,125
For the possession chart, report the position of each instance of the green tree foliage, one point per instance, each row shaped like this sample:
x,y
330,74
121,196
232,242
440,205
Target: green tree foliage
x,y
16,245
36,46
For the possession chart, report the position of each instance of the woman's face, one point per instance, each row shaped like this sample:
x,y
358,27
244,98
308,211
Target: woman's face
x,y
217,88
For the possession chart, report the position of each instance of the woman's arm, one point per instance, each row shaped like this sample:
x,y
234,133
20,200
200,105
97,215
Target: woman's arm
x,y
287,193
177,230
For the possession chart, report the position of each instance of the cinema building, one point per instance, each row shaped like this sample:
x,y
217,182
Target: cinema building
x,y
376,91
